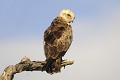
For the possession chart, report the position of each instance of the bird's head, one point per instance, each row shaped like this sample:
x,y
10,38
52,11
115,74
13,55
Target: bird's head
x,y
67,15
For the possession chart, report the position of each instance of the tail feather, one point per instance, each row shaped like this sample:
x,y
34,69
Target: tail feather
x,y
52,65
48,64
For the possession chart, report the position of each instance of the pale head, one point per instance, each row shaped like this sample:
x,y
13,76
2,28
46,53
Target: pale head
x,y
67,15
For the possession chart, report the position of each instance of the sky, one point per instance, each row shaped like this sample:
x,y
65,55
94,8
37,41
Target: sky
x,y
96,37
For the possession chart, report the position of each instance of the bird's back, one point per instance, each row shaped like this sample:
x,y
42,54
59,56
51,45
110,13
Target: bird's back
x,y
57,38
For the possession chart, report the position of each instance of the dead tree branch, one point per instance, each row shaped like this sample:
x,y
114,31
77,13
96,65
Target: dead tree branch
x,y
26,65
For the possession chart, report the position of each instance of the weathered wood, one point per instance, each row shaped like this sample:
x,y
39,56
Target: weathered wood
x,y
26,65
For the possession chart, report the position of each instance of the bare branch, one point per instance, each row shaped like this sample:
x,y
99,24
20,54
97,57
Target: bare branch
x,y
26,65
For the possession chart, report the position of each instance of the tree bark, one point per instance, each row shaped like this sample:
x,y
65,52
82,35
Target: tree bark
x,y
27,65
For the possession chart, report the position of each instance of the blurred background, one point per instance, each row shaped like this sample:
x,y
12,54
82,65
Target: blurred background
x,y
96,37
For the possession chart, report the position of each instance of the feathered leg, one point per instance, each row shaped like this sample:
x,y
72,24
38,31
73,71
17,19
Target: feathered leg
x,y
57,66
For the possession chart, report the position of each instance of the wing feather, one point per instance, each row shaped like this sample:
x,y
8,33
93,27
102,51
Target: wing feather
x,y
57,39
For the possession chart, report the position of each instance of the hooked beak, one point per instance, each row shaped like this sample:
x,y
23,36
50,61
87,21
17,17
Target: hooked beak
x,y
72,20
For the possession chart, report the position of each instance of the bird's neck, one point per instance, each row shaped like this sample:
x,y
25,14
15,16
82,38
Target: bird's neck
x,y
62,20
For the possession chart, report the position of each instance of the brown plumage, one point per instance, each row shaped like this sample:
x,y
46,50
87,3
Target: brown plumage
x,y
57,40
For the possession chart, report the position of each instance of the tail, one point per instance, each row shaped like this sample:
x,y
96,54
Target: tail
x,y
52,65
48,66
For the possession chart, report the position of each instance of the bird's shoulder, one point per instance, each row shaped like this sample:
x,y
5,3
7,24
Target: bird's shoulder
x,y
55,30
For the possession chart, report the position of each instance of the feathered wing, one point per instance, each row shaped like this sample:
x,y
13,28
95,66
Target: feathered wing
x,y
57,39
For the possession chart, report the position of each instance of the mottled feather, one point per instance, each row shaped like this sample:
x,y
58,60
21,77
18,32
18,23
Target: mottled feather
x,y
57,40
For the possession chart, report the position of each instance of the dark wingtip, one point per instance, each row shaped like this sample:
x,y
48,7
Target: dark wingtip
x,y
48,64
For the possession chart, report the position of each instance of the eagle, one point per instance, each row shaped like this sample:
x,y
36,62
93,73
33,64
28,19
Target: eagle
x,y
57,40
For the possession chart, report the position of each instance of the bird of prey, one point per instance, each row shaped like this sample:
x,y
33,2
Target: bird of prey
x,y
57,40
